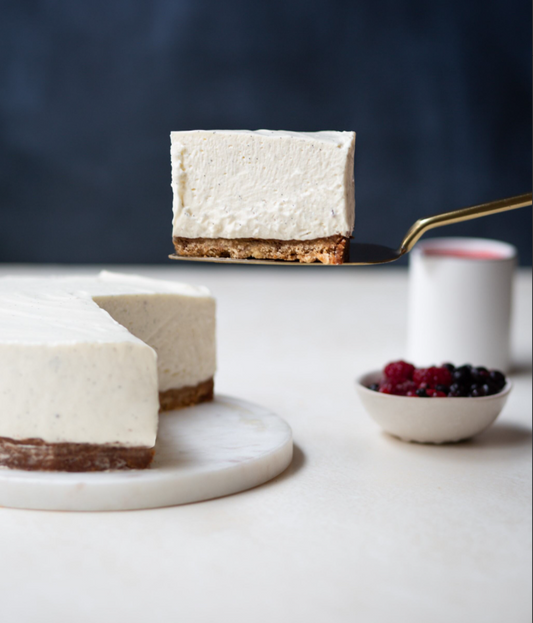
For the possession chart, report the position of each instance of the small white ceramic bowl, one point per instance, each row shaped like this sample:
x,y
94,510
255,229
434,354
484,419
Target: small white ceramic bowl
x,y
430,420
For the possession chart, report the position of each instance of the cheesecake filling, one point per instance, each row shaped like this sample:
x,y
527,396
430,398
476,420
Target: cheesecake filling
x,y
275,185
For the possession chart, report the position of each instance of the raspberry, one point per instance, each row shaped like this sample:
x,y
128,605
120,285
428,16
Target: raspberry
x,y
432,377
423,376
402,389
399,371
386,388
442,376
403,379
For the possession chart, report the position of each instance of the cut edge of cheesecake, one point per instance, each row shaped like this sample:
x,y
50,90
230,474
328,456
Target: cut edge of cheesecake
x,y
329,250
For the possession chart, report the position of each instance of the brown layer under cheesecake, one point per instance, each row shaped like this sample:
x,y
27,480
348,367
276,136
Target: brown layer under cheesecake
x,y
330,250
35,454
186,396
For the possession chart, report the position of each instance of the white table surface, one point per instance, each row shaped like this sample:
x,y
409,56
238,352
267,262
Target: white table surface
x,y
362,527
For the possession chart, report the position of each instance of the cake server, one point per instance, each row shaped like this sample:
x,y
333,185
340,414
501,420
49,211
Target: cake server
x,y
362,254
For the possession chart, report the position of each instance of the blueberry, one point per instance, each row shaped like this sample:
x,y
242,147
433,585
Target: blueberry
x,y
374,387
458,391
498,379
421,393
489,385
449,366
463,375
442,388
489,389
480,375
477,391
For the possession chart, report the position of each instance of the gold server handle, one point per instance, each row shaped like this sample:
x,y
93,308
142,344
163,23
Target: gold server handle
x,y
457,216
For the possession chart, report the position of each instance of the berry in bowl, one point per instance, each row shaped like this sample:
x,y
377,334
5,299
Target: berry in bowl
x,y
457,402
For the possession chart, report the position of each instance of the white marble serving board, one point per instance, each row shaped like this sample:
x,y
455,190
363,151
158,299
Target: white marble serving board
x,y
202,452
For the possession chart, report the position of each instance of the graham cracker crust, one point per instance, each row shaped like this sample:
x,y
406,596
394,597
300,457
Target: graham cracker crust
x,y
38,455
186,396
330,250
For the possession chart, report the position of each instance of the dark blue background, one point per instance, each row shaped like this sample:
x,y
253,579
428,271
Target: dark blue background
x,y
439,93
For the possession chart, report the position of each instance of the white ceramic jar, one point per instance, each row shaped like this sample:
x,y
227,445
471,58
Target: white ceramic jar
x,y
460,299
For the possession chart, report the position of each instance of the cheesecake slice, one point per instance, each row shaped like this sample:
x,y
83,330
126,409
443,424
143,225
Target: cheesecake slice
x,y
263,194
86,364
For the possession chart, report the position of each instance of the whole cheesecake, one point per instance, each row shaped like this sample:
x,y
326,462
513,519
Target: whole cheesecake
x,y
86,364
263,194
